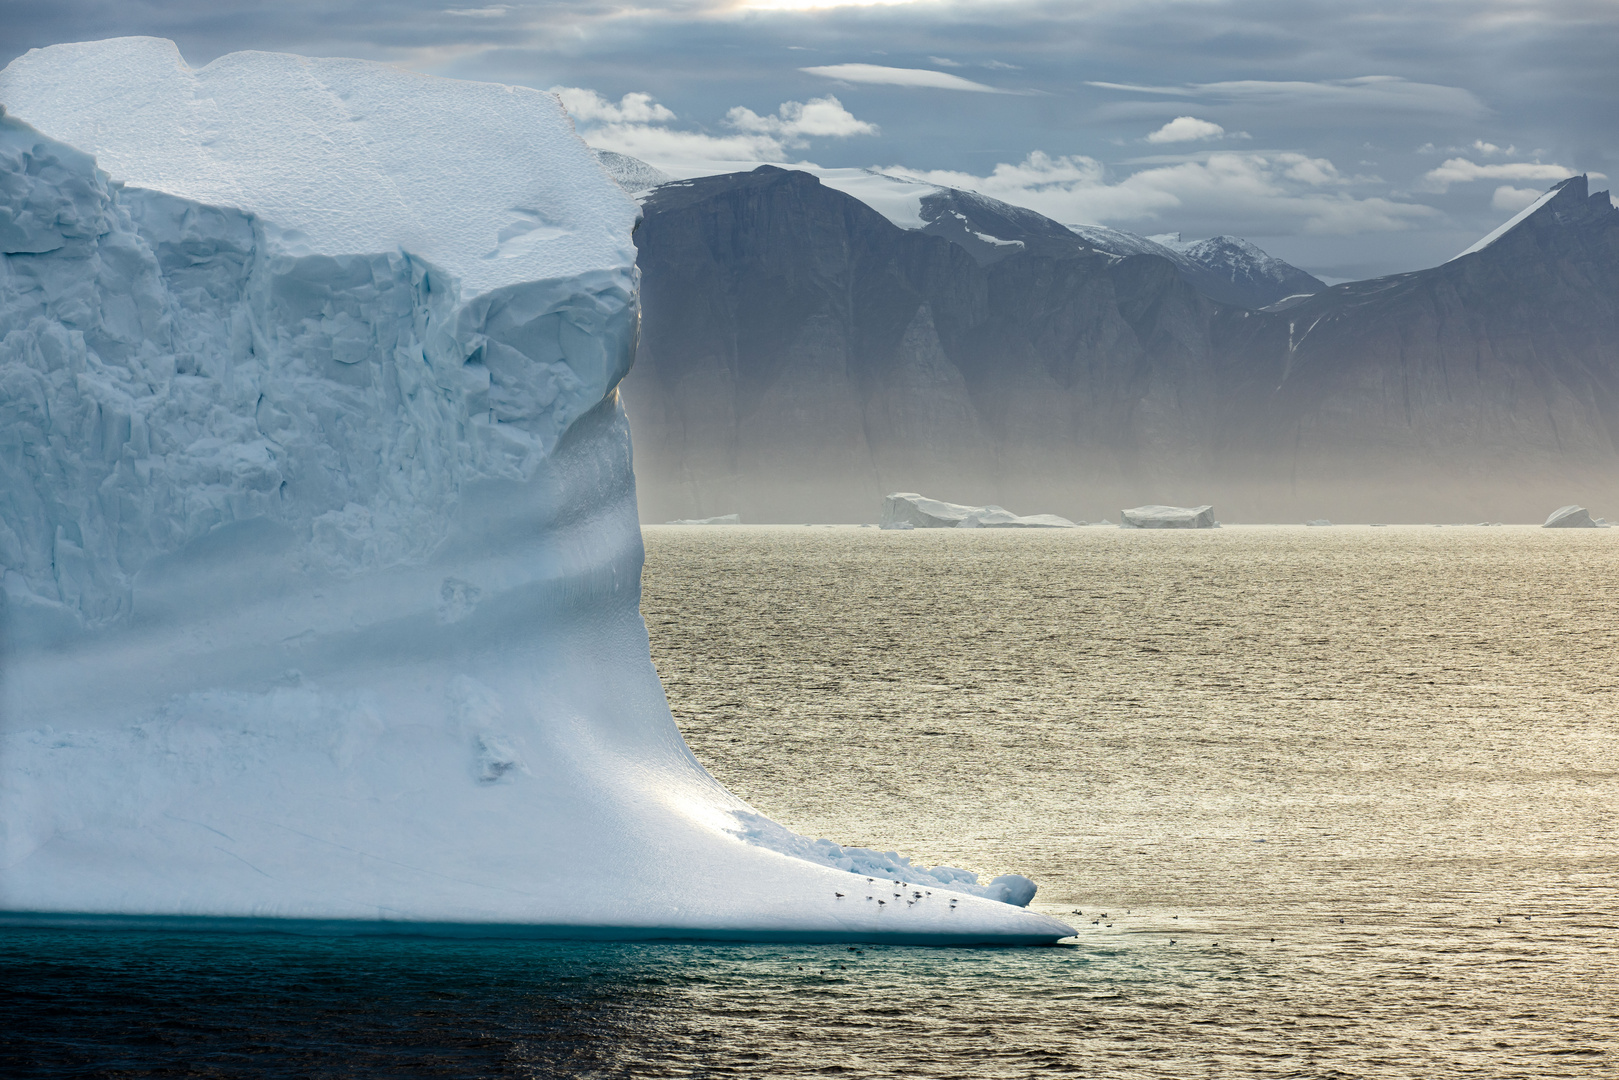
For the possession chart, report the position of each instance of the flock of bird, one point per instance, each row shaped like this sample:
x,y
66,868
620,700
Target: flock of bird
x,y
916,896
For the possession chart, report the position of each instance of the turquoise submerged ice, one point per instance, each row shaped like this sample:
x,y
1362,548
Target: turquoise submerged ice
x,y
321,561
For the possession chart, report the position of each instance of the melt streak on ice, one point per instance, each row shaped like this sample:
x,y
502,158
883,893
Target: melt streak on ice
x,y
318,529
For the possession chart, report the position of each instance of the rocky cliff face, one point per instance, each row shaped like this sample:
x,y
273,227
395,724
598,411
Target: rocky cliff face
x,y
1496,373
801,355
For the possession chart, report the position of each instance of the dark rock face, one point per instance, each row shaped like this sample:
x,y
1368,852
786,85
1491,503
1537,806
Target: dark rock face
x,y
1496,372
801,356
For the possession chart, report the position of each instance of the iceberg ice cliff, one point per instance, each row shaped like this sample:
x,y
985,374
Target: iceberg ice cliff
x,y
906,508
320,556
1168,517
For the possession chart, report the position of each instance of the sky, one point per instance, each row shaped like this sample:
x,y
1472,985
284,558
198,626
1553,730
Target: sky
x,y
1352,139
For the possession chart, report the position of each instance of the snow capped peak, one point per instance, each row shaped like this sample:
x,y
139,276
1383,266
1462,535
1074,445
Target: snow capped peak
x,y
1574,184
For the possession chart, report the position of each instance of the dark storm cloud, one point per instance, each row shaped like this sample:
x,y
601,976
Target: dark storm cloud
x,y
1360,105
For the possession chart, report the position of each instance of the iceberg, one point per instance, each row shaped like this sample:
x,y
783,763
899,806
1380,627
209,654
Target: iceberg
x,y
1318,523
318,536
1168,517
722,519
1570,517
903,509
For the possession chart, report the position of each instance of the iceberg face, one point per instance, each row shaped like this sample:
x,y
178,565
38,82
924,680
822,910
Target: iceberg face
x,y
320,552
906,509
1168,517
1570,517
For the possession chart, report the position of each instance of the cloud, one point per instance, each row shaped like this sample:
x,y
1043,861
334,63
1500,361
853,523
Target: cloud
x,y
1461,171
493,12
1488,148
587,106
638,125
1381,93
795,121
893,76
1261,193
1510,199
1186,129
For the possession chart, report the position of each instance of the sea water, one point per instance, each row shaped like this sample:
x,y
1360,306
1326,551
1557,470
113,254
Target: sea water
x,y
1321,802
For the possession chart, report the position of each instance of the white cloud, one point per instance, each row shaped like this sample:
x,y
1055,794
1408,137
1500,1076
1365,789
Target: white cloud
x,y
494,11
589,107
944,61
1269,192
795,121
878,75
1186,129
1510,199
1488,148
639,126
1461,171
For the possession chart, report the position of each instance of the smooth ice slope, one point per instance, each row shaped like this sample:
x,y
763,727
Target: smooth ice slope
x,y
321,561
908,508
1570,517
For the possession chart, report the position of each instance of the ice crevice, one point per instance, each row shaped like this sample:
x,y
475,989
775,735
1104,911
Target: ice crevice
x,y
321,562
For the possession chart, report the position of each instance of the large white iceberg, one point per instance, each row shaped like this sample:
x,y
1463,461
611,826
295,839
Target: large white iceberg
x,y
1570,517
1167,517
318,529
903,508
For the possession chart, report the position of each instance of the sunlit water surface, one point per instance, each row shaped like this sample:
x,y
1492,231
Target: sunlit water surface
x,y
1333,802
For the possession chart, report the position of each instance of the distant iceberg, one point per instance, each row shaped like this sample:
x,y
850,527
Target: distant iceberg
x,y
1168,517
1570,517
1318,523
904,508
723,519
321,560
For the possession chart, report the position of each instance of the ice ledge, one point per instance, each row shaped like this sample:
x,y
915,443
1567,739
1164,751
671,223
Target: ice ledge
x,y
1045,931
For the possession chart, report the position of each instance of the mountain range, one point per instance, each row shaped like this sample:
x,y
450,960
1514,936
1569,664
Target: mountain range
x,y
812,342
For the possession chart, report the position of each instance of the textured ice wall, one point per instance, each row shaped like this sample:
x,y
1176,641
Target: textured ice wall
x,y
317,522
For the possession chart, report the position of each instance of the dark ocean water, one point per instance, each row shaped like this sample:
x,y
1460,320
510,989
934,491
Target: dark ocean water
x,y
1334,803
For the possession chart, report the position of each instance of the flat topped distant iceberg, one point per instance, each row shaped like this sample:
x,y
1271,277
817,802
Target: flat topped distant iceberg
x,y
722,519
919,512
1570,517
1168,517
320,553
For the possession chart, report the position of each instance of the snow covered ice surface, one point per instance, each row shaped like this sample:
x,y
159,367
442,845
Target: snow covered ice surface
x,y
1168,517
320,548
903,509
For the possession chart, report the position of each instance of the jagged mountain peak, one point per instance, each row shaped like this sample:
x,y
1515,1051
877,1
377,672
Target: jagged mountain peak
x,y
1264,278
1226,268
1567,207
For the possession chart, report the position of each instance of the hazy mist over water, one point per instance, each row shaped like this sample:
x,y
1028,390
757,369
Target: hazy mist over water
x,y
1334,802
